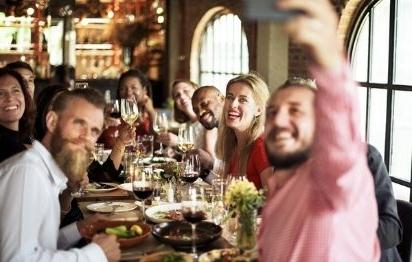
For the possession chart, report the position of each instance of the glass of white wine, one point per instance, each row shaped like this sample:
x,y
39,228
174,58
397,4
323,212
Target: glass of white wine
x,y
160,125
129,111
186,139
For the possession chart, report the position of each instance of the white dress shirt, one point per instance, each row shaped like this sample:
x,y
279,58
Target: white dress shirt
x,y
30,184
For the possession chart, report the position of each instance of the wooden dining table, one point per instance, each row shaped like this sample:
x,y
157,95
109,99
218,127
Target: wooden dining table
x,y
150,244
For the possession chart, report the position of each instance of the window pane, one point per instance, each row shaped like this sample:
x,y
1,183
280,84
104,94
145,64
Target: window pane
x,y
360,54
402,136
377,119
403,69
223,51
362,96
380,46
401,192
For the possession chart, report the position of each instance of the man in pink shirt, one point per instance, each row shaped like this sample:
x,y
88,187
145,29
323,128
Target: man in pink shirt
x,y
321,204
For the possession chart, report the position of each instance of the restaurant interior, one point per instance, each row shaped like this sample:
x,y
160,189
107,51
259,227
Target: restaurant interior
x,y
207,42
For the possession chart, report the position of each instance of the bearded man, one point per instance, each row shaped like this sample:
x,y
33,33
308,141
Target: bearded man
x,y
30,184
321,203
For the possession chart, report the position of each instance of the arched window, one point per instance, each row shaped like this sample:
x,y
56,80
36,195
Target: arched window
x,y
223,51
381,54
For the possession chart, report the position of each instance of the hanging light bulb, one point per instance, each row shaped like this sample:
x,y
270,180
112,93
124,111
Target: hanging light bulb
x,y
160,19
30,11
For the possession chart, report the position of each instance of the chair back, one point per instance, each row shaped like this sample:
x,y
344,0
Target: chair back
x,y
405,215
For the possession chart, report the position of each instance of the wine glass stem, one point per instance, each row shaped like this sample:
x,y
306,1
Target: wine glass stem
x,y
161,147
143,210
194,251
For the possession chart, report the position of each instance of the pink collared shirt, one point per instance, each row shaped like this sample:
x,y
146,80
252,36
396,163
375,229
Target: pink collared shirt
x,y
327,210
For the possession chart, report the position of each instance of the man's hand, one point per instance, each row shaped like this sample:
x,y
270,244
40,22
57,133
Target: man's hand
x,y
109,245
316,30
86,226
168,139
206,160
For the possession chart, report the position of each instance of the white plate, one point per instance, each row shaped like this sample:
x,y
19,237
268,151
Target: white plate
x,y
101,190
151,212
126,186
157,160
109,207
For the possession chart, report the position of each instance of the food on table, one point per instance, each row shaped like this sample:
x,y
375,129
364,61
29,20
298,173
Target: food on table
x,y
123,231
229,254
95,185
167,256
173,257
171,214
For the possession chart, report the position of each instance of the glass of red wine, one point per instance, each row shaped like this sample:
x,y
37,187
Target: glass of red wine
x,y
194,210
191,165
143,185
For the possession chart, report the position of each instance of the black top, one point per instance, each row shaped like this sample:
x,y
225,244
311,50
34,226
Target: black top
x,y
389,229
10,143
104,173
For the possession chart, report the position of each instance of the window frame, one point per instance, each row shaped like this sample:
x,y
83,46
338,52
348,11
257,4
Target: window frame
x,y
390,86
244,41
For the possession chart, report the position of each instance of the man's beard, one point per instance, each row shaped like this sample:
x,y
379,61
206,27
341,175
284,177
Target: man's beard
x,y
211,124
288,160
73,162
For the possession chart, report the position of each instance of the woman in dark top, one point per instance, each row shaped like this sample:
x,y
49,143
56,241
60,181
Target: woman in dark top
x,y
16,114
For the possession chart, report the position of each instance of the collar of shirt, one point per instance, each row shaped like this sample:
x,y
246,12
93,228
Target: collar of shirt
x,y
59,178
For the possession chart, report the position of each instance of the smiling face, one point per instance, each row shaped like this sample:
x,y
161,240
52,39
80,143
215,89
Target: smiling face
x,y
240,107
73,133
208,106
290,126
131,88
182,95
11,102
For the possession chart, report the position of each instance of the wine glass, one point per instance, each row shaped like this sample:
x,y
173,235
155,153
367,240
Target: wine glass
x,y
98,153
129,111
186,138
160,125
113,109
193,210
191,171
142,184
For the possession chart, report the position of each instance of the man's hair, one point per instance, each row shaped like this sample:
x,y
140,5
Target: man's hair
x,y
299,81
19,64
205,88
44,103
26,121
135,73
91,95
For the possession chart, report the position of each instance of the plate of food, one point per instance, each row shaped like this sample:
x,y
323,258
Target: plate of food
x,y
111,207
167,256
95,187
178,234
128,233
228,254
126,186
164,213
157,160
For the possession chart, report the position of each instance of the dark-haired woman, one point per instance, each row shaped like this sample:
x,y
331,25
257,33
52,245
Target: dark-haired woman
x,y
16,114
133,85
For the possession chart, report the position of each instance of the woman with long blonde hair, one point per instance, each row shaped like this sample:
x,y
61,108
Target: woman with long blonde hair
x,y
240,143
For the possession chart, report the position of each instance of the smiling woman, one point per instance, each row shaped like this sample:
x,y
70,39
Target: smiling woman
x,y
16,114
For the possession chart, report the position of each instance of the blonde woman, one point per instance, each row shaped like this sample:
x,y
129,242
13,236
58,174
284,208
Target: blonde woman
x,y
240,143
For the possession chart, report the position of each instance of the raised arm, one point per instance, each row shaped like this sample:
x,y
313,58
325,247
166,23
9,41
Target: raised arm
x,y
338,152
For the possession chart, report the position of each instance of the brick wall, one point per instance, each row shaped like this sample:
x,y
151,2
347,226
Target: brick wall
x,y
191,12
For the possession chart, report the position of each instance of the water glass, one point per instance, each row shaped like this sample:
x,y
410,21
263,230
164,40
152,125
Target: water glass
x,y
98,153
